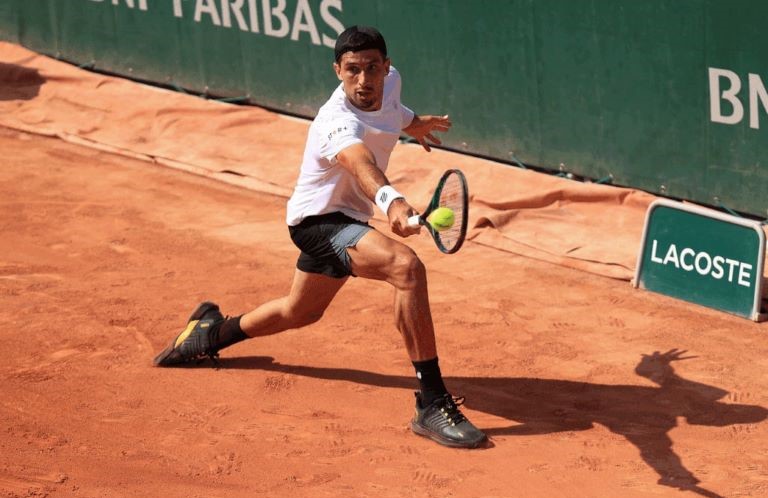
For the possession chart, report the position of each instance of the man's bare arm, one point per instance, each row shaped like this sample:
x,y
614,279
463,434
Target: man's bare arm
x,y
360,161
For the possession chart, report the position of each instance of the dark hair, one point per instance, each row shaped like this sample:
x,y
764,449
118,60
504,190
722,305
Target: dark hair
x,y
357,38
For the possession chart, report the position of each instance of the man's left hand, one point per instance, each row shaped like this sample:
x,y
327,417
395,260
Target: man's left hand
x,y
421,129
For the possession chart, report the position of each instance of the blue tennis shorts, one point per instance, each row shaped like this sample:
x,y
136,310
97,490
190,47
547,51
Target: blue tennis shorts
x,y
324,239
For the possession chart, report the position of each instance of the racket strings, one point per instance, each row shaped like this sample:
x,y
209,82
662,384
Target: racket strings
x,y
452,197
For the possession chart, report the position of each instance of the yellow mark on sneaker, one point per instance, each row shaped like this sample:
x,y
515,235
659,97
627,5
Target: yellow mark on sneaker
x,y
183,336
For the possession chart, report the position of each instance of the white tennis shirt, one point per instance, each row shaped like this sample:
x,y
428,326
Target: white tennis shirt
x,y
324,185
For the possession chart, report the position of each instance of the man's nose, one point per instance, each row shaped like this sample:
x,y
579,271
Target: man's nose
x,y
364,77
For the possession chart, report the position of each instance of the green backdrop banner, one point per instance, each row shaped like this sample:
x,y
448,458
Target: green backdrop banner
x,y
664,95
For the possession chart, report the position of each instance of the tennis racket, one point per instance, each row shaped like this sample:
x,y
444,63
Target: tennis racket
x,y
451,192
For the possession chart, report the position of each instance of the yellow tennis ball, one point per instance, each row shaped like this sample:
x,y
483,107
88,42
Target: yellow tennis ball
x,y
441,218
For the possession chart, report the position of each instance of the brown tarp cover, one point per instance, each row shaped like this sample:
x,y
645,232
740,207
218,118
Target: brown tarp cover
x,y
596,228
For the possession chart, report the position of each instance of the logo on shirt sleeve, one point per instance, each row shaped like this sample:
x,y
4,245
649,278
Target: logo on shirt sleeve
x,y
337,131
336,136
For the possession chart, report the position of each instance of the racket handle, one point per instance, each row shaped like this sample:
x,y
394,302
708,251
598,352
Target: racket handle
x,y
414,221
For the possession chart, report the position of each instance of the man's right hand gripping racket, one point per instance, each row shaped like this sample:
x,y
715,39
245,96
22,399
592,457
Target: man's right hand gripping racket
x,y
447,213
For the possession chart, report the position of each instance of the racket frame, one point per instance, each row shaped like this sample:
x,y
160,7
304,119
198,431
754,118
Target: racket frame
x,y
435,203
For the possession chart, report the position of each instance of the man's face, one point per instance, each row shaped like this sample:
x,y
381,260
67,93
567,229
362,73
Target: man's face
x,y
362,74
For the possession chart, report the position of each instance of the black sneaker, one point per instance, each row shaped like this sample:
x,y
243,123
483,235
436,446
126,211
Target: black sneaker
x,y
442,421
194,342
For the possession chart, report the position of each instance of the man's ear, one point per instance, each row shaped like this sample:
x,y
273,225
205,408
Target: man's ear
x,y
387,63
337,70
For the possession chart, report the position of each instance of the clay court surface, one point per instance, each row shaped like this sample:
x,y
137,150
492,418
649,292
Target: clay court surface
x,y
586,386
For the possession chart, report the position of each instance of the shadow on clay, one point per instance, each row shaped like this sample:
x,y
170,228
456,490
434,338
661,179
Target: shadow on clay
x,y
19,82
642,415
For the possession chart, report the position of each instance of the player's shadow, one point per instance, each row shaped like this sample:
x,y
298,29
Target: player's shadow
x,y
19,82
642,415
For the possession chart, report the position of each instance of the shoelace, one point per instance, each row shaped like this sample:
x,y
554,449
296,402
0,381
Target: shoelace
x,y
450,409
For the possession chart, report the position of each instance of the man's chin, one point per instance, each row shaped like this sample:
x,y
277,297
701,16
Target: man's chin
x,y
366,105
363,103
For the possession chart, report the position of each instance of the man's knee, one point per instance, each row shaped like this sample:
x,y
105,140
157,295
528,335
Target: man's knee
x,y
407,270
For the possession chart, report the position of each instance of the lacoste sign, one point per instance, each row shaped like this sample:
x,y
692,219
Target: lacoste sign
x,y
702,256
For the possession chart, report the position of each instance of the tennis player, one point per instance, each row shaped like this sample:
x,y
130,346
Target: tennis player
x,y
343,171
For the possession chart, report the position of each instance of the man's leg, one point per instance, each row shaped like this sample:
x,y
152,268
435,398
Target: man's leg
x,y
378,257
207,331
310,295
437,414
